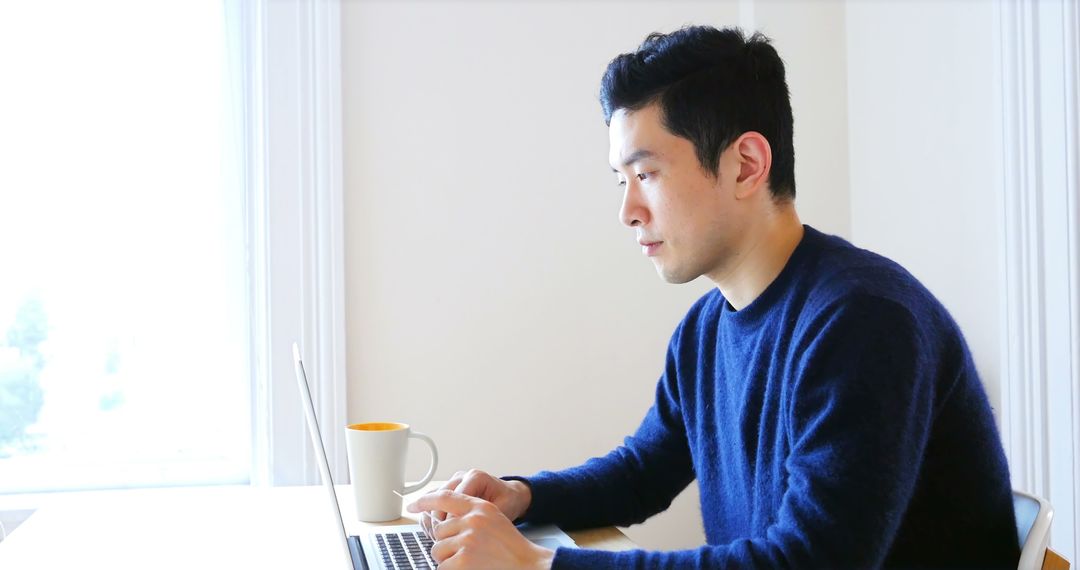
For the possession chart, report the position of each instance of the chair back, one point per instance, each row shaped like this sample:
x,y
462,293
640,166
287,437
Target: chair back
x,y
1033,516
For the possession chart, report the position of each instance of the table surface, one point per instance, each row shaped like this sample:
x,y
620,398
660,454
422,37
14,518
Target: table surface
x,y
202,527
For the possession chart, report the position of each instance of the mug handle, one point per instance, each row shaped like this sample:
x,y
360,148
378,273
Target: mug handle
x,y
414,487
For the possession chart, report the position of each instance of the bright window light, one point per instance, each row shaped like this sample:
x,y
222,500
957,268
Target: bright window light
x,y
123,300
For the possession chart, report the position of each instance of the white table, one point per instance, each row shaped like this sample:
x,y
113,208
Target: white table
x,y
199,527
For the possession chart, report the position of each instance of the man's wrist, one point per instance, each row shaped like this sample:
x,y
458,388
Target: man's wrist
x,y
523,497
546,559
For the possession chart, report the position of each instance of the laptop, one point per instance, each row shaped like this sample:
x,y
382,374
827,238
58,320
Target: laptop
x,y
391,547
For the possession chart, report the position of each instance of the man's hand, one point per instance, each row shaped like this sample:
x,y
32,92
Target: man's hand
x,y
478,535
511,497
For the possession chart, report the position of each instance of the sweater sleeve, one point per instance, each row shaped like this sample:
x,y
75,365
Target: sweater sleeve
x,y
859,417
628,485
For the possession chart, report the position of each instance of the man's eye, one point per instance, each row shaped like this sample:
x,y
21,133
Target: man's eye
x,y
622,182
642,176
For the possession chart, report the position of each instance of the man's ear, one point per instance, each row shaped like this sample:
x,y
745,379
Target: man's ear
x,y
754,154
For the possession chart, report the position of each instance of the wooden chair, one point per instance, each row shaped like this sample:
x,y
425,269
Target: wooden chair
x,y
1054,561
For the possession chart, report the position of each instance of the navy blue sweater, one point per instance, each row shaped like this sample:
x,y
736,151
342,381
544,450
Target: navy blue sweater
x,y
837,421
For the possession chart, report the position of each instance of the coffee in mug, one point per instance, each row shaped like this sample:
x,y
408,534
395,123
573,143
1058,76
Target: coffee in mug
x,y
376,452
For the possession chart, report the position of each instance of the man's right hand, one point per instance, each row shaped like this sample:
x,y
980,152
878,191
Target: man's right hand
x,y
511,497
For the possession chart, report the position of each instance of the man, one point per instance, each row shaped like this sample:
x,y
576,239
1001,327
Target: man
x,y
825,401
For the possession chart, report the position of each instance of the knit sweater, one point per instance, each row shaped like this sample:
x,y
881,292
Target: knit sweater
x,y
837,421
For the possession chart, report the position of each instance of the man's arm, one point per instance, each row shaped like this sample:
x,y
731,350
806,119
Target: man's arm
x,y
633,482
861,414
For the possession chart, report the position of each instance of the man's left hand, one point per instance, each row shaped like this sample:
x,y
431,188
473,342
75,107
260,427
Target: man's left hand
x,y
478,535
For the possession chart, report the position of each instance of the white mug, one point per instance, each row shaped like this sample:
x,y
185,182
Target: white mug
x,y
377,467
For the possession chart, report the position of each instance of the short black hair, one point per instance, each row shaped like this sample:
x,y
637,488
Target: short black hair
x,y
712,85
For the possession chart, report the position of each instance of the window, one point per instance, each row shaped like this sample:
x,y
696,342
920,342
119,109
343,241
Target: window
x,y
170,223
124,312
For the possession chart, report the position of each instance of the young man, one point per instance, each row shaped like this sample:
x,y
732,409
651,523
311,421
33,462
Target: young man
x,y
825,401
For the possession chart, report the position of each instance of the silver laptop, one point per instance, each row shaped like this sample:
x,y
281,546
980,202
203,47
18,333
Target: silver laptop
x,y
391,547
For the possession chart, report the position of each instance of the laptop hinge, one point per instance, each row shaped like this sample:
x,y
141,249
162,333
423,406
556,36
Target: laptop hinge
x,y
357,553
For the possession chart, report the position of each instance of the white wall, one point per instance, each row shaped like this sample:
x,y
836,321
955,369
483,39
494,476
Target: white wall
x,y
809,35
925,151
493,299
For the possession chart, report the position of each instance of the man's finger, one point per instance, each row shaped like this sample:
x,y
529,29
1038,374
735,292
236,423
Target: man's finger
x,y
449,501
425,523
454,560
471,485
450,485
444,549
448,529
453,482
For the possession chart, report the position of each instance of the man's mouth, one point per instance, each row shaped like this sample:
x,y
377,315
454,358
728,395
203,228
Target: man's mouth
x,y
649,248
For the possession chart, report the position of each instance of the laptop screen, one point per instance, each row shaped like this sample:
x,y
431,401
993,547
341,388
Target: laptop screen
x,y
320,451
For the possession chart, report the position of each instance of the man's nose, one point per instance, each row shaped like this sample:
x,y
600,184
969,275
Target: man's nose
x,y
633,212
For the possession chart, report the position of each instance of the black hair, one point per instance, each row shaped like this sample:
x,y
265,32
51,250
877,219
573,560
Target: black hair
x,y
712,86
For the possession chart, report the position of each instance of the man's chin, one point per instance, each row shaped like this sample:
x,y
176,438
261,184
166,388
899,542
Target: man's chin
x,y
673,276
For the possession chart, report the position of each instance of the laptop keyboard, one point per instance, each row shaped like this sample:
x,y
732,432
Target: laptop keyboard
x,y
405,551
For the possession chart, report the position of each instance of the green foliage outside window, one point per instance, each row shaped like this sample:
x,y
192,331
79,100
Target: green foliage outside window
x,y
20,391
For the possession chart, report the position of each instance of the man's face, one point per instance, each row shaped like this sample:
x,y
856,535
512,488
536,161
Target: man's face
x,y
685,220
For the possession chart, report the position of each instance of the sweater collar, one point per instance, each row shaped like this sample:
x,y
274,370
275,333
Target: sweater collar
x,y
753,313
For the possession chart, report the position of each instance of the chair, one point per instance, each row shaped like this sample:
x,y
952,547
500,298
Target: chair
x,y
1033,517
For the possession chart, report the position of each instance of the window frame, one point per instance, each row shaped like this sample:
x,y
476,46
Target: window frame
x,y
288,53
1040,239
